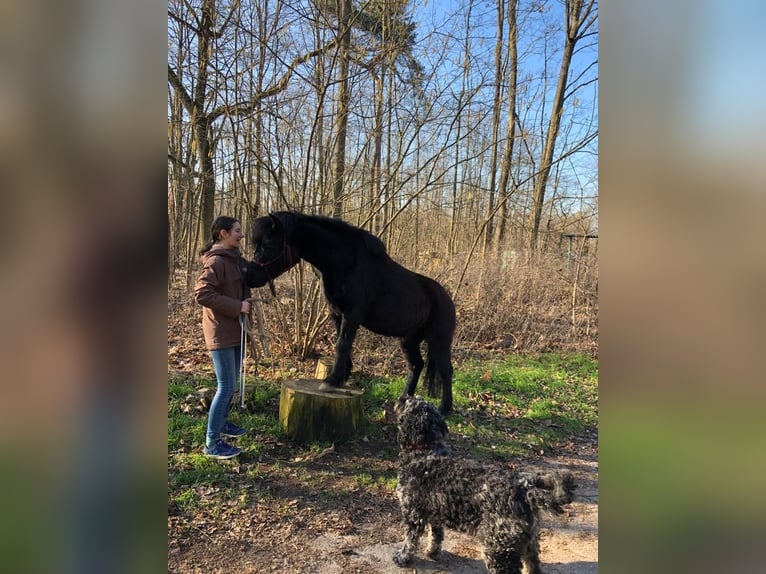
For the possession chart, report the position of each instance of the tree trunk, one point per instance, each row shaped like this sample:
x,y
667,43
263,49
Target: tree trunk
x,y
200,121
458,197
575,18
375,184
510,132
339,163
496,104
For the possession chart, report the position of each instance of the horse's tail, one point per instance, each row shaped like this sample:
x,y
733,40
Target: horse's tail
x,y
438,369
433,382
438,375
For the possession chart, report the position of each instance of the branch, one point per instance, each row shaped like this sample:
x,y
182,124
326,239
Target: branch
x,y
575,89
234,6
248,107
175,81
183,164
193,11
183,22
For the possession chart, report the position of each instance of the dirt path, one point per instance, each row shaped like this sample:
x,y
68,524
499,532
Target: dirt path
x,y
296,530
569,544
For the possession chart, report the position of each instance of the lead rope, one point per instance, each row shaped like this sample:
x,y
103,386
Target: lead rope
x,y
250,329
242,357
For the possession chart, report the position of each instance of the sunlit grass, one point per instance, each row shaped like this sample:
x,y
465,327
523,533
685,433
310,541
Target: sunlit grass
x,y
521,404
513,406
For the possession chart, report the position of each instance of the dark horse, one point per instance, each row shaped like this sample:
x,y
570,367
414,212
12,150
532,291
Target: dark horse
x,y
363,286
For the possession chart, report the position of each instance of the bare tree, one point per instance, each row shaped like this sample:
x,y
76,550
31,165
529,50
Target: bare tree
x,y
447,143
510,131
341,116
496,109
580,22
201,99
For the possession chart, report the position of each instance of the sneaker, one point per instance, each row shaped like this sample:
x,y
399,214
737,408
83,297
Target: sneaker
x,y
221,450
232,430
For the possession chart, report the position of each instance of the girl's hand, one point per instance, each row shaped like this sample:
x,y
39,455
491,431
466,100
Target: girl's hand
x,y
245,307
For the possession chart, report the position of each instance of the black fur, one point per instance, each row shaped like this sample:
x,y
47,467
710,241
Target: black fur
x,y
499,507
363,287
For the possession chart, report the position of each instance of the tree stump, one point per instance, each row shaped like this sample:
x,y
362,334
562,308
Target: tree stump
x,y
324,366
308,414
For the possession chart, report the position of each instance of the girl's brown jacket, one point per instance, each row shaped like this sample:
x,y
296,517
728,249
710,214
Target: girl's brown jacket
x,y
220,290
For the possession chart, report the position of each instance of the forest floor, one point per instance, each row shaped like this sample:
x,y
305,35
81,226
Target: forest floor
x,y
341,526
331,509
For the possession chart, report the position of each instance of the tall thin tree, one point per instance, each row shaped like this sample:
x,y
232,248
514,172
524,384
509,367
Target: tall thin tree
x,y
510,130
580,17
341,116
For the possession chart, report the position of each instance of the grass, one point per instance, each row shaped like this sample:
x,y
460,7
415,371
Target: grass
x,y
513,406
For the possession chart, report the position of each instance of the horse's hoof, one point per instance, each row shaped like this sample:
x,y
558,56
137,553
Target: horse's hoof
x,y
434,554
326,387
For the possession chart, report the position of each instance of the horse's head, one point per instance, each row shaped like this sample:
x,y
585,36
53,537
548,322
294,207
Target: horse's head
x,y
255,275
273,250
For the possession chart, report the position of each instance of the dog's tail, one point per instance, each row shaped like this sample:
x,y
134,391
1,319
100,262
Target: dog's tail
x,y
549,490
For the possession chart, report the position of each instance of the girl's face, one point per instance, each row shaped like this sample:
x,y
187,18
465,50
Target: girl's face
x,y
232,237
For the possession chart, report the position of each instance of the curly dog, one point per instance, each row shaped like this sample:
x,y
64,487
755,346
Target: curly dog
x,y
499,507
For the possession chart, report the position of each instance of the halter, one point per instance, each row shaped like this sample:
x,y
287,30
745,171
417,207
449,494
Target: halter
x,y
286,252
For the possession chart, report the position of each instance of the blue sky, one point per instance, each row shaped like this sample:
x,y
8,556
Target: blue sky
x,y
724,97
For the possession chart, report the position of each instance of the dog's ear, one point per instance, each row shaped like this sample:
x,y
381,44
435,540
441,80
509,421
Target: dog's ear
x,y
439,424
400,405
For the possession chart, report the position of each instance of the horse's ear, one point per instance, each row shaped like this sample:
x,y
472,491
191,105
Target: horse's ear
x,y
283,221
288,221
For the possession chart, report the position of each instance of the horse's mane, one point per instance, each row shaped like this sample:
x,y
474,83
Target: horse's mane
x,y
334,225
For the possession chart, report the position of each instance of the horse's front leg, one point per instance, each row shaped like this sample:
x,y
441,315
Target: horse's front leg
x,y
341,369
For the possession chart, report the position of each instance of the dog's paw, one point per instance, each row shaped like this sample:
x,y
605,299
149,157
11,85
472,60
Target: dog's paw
x,y
402,558
434,553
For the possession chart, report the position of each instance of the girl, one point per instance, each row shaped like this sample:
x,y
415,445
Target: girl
x,y
221,289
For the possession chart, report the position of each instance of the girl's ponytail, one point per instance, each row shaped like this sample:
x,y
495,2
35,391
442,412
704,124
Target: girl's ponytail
x,y
221,222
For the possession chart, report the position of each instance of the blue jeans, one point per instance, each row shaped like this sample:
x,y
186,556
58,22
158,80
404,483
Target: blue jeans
x,y
226,363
